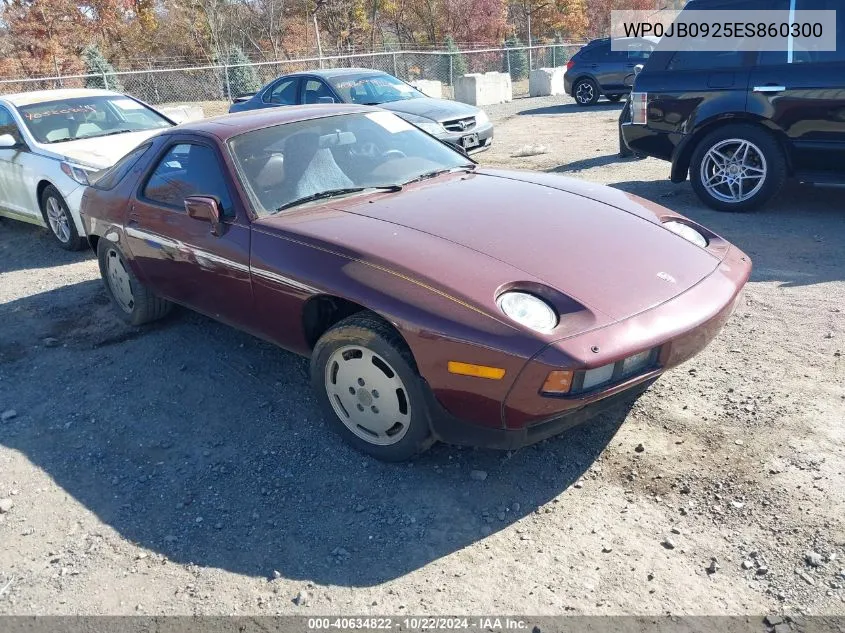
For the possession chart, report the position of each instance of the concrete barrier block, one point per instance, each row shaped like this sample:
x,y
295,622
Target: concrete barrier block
x,y
183,113
484,89
546,82
429,87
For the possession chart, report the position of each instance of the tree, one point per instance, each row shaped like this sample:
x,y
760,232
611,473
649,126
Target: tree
x,y
515,62
458,63
242,78
98,66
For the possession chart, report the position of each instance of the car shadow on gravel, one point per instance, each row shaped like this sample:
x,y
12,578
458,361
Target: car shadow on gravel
x,y
572,108
25,246
203,444
795,240
589,163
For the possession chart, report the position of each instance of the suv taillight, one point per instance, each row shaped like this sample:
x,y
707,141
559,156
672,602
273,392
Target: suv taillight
x,y
570,64
639,108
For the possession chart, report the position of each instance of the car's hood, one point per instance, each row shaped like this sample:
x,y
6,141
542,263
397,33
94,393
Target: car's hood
x,y
435,109
618,262
100,152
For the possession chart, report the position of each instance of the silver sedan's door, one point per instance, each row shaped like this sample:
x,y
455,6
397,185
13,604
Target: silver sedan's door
x,y
17,191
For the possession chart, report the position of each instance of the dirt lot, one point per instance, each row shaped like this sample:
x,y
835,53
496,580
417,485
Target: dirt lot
x,y
184,468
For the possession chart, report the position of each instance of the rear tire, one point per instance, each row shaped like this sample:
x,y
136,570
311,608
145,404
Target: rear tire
x,y
135,303
59,220
366,382
585,92
737,167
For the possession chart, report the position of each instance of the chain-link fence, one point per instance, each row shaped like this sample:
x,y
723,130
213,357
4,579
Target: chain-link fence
x,y
222,83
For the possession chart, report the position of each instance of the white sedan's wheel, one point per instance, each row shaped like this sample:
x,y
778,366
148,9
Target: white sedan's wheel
x,y
59,220
367,395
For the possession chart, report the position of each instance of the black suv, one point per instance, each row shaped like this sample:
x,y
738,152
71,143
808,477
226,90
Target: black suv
x,y
741,123
596,70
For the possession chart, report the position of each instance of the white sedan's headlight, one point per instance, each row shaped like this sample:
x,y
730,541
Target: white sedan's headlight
x,y
687,232
481,118
528,310
79,173
432,127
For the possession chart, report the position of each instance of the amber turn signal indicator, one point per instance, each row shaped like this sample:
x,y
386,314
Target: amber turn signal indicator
x,y
479,371
558,381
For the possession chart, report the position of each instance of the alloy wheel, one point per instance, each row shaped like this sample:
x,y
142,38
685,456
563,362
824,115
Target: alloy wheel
x,y
584,93
57,217
733,170
368,395
118,280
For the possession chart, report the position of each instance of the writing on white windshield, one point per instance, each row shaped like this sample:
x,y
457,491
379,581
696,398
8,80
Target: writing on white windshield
x,y
88,117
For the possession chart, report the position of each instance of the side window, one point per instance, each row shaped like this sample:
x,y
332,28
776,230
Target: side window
x,y
283,93
821,57
8,125
638,52
112,176
187,170
314,89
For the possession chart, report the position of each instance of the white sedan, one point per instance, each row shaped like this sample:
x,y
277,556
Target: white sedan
x,y
53,142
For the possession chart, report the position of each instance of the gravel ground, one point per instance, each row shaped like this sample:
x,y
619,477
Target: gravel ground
x,y
184,468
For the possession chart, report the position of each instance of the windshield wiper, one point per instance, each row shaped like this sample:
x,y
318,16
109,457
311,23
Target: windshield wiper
x,y
110,133
331,193
439,172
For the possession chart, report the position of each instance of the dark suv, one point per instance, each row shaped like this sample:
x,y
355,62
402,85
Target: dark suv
x,y
741,123
596,70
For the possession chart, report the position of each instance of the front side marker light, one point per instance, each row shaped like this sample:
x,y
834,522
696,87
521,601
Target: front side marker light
x,y
558,382
477,371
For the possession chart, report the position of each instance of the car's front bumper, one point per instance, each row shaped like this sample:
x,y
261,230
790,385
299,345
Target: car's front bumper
x,y
678,330
485,137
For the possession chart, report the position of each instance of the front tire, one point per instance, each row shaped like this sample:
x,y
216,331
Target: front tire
x,y
738,167
585,92
135,303
59,220
366,381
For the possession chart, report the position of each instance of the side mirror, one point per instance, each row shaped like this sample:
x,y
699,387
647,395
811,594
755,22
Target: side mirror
x,y
7,141
638,69
325,99
205,208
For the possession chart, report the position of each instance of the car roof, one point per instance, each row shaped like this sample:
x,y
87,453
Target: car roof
x,y
40,96
329,73
227,126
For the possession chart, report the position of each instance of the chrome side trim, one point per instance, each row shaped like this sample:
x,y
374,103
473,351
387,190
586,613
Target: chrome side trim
x,y
287,281
198,253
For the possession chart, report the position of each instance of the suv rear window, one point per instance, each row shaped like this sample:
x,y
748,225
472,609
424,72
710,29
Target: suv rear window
x,y
594,53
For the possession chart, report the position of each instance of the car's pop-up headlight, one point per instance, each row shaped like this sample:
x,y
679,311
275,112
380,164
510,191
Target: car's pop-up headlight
x,y
687,232
528,310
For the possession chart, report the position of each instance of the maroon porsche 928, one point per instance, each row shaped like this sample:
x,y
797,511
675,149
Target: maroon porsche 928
x,y
438,300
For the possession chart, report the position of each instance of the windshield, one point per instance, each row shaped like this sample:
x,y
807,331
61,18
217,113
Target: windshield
x,y
287,165
88,117
372,89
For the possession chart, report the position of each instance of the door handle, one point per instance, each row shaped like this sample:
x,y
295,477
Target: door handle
x,y
770,88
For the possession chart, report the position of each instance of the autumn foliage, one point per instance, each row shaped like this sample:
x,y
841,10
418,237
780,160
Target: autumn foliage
x,y
48,37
